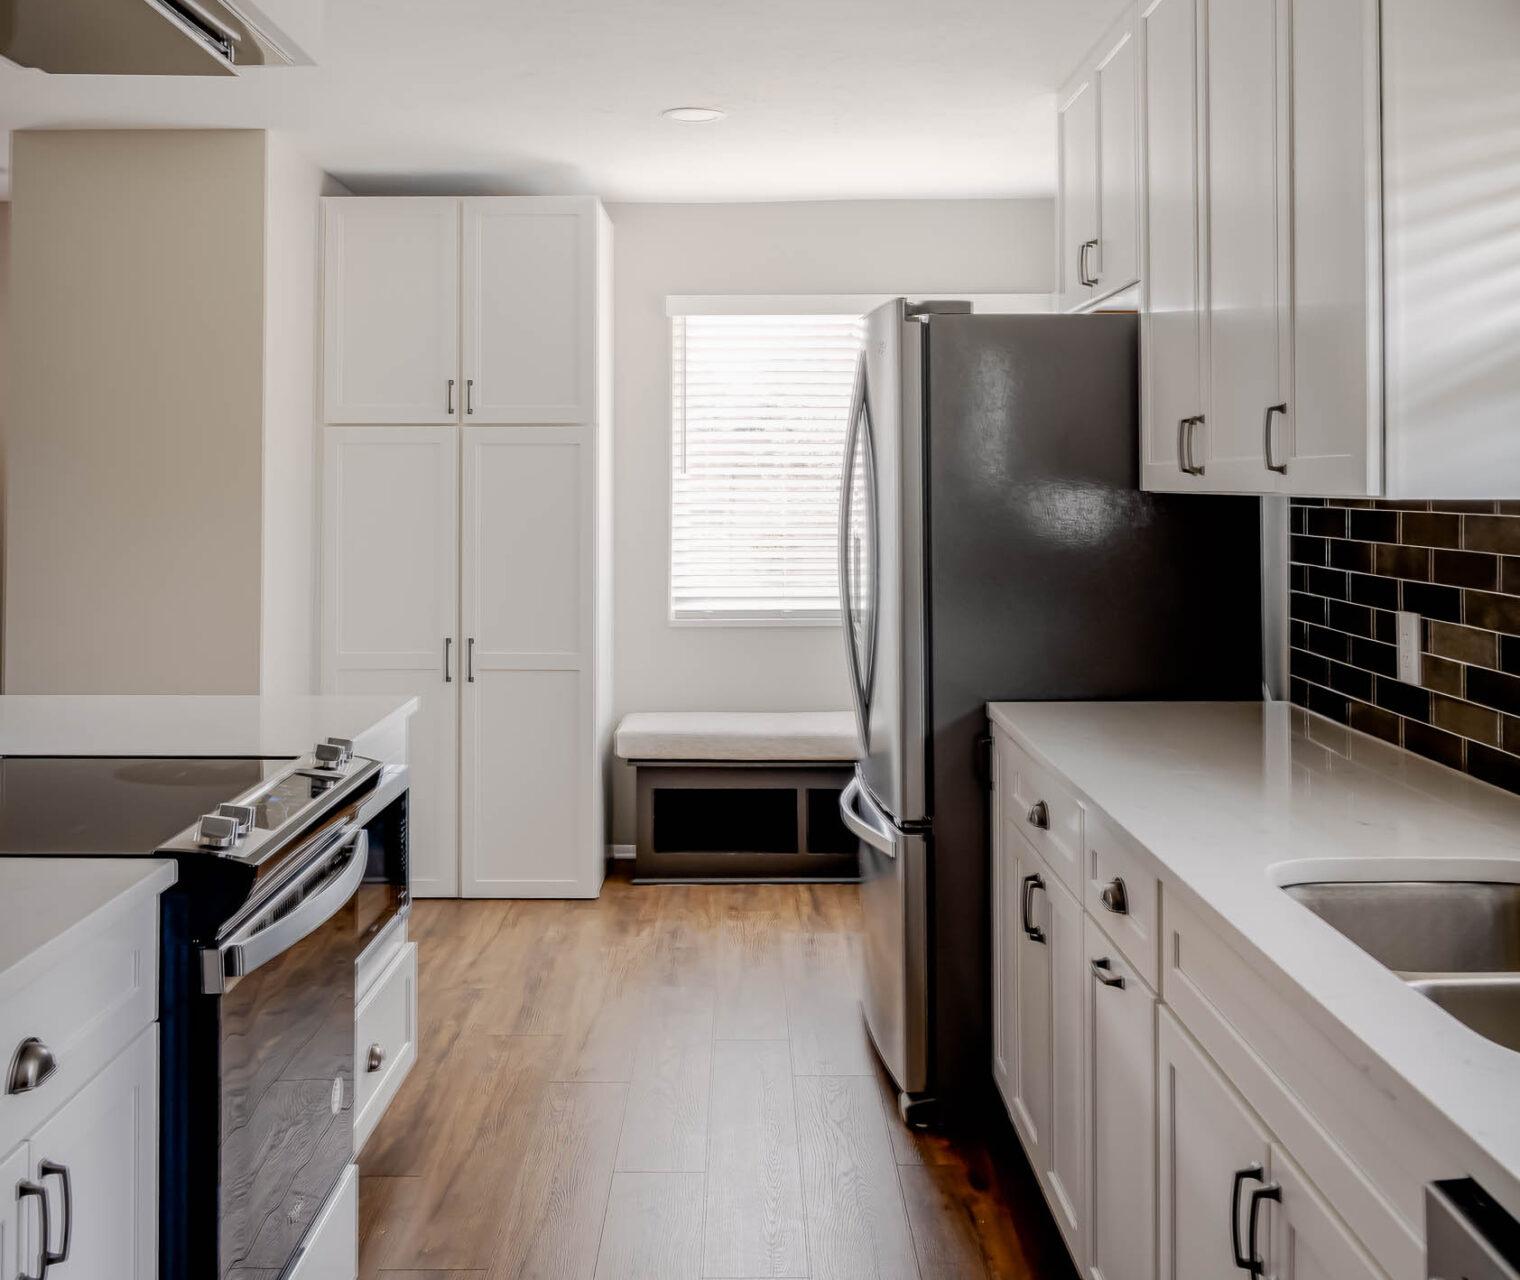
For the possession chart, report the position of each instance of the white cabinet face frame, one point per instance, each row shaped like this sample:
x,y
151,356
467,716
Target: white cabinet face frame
x,y
390,620
390,309
18,1216
530,307
527,617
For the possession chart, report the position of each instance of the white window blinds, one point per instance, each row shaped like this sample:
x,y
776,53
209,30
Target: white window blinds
x,y
758,432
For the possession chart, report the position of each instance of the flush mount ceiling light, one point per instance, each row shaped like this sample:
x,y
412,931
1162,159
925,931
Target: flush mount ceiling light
x,y
694,115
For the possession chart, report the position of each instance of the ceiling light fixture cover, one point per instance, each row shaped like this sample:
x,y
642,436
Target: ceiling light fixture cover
x,y
694,115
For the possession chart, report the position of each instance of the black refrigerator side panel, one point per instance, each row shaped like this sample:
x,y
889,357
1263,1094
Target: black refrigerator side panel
x,y
1052,577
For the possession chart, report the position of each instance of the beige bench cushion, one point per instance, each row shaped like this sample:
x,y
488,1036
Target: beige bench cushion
x,y
737,735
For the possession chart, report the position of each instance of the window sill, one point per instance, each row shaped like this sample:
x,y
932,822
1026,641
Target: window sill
x,y
773,620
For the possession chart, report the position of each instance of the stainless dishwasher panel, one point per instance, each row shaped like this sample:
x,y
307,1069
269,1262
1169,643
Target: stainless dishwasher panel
x,y
1467,1235
893,888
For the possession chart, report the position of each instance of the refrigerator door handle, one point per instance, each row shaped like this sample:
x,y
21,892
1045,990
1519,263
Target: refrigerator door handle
x,y
858,678
877,836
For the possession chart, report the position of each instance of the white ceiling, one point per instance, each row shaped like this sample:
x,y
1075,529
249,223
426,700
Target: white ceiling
x,y
826,98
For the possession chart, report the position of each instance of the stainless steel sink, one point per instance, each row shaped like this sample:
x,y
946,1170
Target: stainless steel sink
x,y
1455,942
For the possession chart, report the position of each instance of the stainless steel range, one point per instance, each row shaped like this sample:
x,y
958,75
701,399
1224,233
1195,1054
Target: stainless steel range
x,y
287,871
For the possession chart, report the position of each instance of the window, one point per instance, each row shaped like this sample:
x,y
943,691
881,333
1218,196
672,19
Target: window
x,y
760,409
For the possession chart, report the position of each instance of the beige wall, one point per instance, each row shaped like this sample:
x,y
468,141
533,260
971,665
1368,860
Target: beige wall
x,y
132,441
963,246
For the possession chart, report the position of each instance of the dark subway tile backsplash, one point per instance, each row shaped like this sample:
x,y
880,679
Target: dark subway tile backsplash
x,y
1457,564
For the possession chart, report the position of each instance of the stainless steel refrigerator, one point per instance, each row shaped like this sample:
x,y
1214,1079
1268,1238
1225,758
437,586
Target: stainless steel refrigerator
x,y
994,545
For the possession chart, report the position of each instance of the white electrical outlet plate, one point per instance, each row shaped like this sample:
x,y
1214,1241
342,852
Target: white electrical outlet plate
x,y
1409,647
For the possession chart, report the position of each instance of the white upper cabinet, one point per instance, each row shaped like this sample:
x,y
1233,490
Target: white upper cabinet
x,y
1355,204
1099,254
1174,430
530,310
391,310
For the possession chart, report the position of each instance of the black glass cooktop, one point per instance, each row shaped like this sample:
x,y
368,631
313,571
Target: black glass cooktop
x,y
123,805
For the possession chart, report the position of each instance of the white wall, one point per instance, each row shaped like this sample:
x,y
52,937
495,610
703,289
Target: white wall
x,y
959,246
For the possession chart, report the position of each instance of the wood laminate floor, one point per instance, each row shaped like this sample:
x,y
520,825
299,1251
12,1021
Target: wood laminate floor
x,y
671,1083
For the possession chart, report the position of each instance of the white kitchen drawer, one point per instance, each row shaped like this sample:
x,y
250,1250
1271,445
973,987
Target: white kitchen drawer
x,y
331,1248
1043,810
385,1040
85,1007
376,958
1123,896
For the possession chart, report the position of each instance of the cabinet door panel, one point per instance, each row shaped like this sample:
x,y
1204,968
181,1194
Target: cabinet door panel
x,y
1065,1155
1208,1134
1308,1240
390,538
529,314
1117,262
1033,1033
526,793
390,309
1172,326
1078,128
106,1137
1121,1037
1245,277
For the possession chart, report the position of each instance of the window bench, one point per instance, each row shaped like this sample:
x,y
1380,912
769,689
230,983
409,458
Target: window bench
x,y
741,795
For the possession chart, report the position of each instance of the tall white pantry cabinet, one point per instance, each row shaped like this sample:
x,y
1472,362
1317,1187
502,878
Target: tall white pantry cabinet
x,y
467,520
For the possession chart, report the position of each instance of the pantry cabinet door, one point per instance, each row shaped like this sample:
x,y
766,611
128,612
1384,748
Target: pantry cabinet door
x,y
1171,347
530,307
1121,1120
1308,1240
1077,128
390,311
1246,244
1116,263
1213,1154
18,1216
390,610
97,1158
529,816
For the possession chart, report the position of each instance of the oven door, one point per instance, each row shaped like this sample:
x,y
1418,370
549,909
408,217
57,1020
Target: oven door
x,y
286,1041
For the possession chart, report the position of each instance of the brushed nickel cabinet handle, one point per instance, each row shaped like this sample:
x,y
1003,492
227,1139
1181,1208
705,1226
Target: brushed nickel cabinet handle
x,y
1266,438
44,1225
469,660
1186,429
448,403
375,1059
469,395
1039,815
1115,896
52,1169
31,1066
1031,930
1251,1173
448,650
1256,1264
1102,970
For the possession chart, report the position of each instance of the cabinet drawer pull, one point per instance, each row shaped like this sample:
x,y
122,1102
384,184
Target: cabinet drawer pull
x,y
1256,1264
448,400
31,1066
1032,930
52,1169
1266,438
1116,897
1251,1173
1039,815
1102,970
375,1059
44,1226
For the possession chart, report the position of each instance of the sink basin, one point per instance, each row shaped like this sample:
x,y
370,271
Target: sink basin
x,y
1455,942
1424,926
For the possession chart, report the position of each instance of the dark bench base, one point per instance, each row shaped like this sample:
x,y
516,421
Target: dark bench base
x,y
733,820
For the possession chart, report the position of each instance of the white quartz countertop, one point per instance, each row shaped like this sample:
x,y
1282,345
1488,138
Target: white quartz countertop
x,y
47,903
171,725
1234,800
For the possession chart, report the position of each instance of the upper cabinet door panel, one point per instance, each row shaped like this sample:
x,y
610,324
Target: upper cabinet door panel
x,y
1245,281
1078,128
1116,264
530,310
391,310
1172,339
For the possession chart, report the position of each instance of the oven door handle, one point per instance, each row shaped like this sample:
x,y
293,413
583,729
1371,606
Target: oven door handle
x,y
252,946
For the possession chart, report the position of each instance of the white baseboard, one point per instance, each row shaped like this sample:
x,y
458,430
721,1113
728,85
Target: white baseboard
x,y
621,851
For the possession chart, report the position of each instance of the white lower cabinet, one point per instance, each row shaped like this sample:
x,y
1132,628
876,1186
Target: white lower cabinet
x,y
1121,1027
96,1161
331,1248
1307,1240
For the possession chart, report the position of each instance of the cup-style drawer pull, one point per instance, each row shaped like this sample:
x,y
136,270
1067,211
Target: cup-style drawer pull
x,y
1039,815
31,1066
376,1058
1116,896
1102,970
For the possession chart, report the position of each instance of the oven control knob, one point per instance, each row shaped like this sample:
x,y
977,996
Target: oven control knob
x,y
242,814
216,831
334,753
